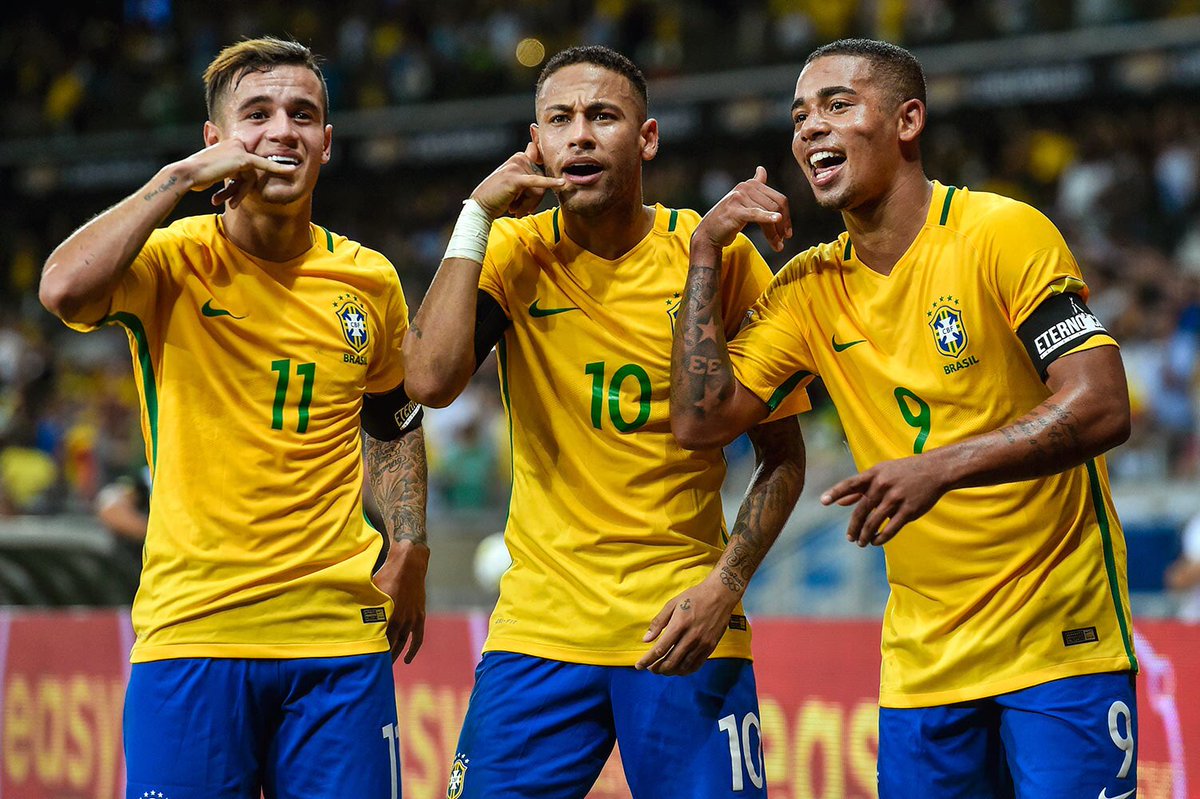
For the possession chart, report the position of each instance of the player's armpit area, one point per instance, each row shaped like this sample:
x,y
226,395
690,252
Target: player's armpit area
x,y
1056,327
490,324
386,417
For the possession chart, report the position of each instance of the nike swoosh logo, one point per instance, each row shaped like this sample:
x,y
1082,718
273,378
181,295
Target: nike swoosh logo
x,y
1104,794
536,312
208,310
843,347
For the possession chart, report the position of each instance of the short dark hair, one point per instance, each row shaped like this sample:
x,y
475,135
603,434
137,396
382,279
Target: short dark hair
x,y
257,55
601,56
898,68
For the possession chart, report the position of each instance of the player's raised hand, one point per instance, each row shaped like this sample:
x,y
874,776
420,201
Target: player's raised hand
x,y
229,160
688,629
886,497
516,187
402,577
750,202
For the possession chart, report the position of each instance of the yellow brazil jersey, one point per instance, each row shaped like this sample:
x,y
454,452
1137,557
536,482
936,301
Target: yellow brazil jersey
x,y
996,588
251,375
609,516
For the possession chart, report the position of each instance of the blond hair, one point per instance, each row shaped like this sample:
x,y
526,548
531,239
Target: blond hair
x,y
257,55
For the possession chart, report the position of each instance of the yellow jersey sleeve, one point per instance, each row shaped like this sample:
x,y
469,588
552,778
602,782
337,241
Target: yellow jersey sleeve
x,y
1032,263
141,286
387,371
770,355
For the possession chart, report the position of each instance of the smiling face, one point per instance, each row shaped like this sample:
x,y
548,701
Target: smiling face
x,y
277,114
851,137
591,130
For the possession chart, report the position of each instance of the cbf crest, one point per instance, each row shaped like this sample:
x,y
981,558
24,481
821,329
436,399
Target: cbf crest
x,y
458,776
349,311
946,323
673,309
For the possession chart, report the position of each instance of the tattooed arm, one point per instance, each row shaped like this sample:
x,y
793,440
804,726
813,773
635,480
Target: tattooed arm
x,y
82,273
709,407
397,474
1086,414
689,628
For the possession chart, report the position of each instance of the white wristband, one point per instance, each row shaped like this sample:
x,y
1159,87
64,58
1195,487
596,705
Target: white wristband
x,y
470,237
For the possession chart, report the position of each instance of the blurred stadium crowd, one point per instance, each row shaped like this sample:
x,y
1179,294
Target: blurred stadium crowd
x,y
1121,178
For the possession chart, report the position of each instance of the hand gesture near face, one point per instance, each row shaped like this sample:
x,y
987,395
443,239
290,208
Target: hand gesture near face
x,y
516,187
229,160
751,202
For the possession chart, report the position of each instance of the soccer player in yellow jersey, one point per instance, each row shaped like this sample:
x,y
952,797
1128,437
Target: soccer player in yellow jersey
x,y
613,527
264,346
978,393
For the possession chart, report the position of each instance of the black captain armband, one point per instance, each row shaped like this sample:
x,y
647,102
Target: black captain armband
x,y
490,324
1060,324
386,417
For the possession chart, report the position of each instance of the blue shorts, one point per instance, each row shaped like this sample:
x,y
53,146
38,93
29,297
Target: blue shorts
x,y
1072,738
310,728
545,728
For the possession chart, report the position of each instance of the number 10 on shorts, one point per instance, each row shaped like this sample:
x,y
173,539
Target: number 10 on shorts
x,y
744,750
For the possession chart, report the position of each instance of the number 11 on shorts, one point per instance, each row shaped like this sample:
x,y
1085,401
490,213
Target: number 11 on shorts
x,y
742,750
392,734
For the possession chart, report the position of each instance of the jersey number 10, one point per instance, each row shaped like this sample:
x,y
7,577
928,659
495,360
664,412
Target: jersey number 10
x,y
629,370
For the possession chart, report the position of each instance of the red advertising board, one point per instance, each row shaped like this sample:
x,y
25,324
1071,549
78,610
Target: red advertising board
x,y
62,678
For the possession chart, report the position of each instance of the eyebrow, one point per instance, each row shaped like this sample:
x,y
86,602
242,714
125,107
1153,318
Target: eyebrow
x,y
596,105
824,94
264,99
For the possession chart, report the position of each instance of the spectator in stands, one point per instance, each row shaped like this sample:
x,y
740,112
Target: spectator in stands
x,y
1183,575
123,507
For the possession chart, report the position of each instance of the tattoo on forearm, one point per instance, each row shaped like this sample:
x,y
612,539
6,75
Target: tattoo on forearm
x,y
398,476
1051,433
707,378
776,486
165,187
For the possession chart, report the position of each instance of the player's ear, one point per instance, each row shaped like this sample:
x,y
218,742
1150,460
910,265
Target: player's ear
x,y
212,134
911,120
326,148
648,137
533,137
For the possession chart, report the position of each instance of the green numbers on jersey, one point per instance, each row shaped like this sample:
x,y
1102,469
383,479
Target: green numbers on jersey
x,y
626,372
283,368
920,419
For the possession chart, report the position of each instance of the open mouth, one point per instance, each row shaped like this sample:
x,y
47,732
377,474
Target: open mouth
x,y
825,166
284,159
582,174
